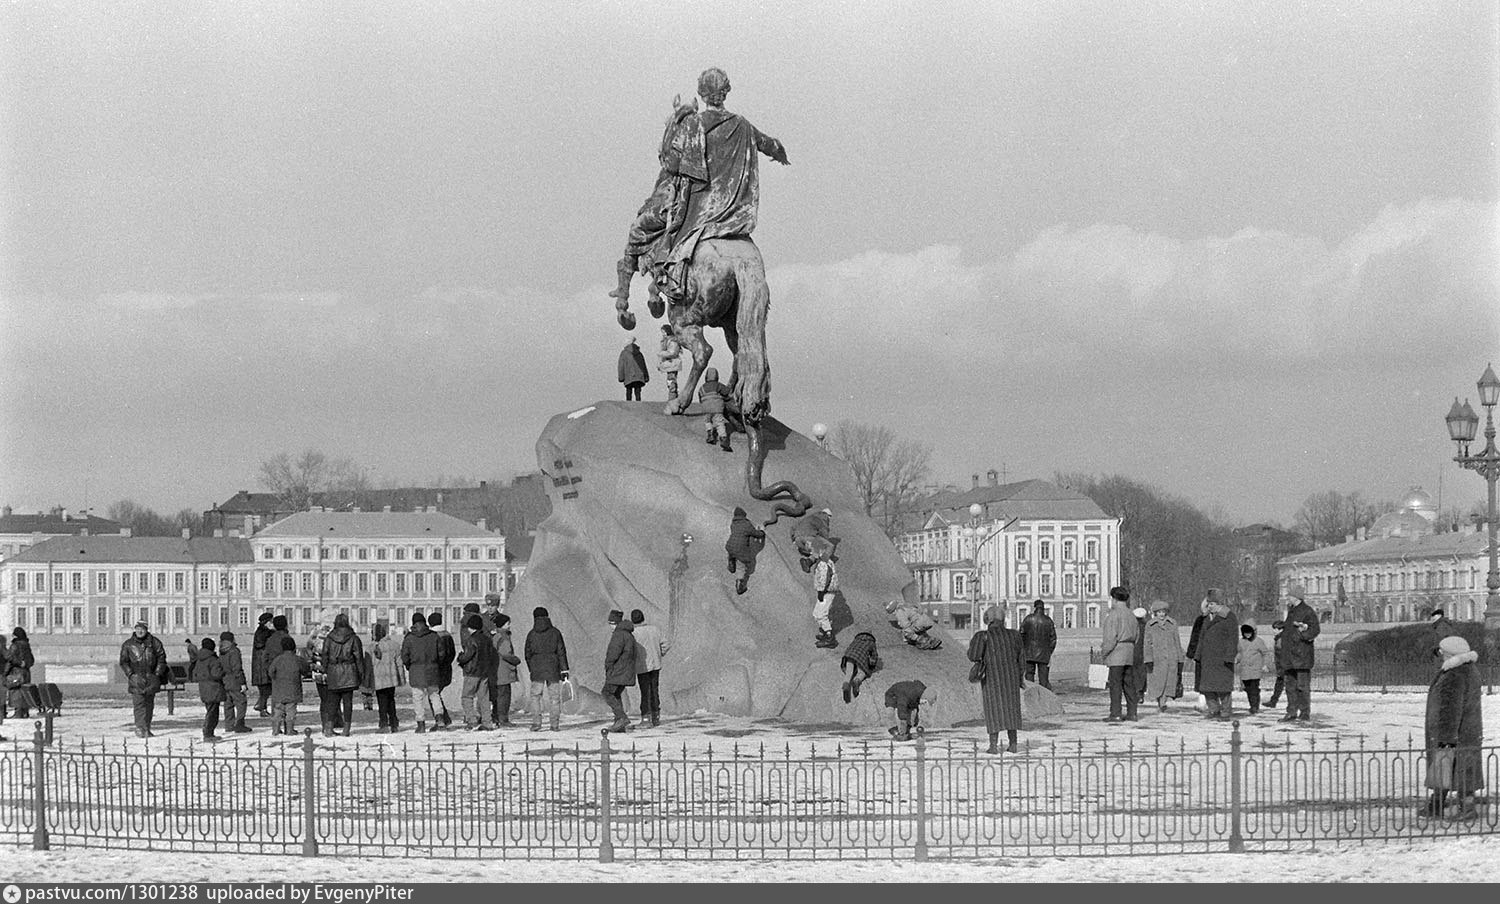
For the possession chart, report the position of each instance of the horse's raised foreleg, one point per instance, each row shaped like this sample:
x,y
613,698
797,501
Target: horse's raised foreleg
x,y
792,502
694,343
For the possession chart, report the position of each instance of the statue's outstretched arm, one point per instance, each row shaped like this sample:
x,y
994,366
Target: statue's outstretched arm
x,y
770,147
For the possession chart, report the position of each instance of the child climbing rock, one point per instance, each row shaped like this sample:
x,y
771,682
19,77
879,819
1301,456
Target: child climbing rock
x,y
669,359
713,396
744,544
860,661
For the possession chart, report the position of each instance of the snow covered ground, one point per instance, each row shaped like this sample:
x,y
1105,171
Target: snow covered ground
x,y
1448,860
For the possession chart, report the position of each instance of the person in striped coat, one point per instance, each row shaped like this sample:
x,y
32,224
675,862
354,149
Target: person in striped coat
x,y
1001,652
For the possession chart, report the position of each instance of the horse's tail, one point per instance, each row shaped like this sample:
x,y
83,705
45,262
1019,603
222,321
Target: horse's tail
x,y
750,360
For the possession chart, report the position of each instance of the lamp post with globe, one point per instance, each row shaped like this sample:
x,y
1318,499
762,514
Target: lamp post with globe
x,y
820,433
1462,425
971,532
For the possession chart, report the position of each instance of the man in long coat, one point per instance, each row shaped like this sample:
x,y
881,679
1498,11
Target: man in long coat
x,y
1218,645
1039,637
1000,650
1297,638
260,663
1455,719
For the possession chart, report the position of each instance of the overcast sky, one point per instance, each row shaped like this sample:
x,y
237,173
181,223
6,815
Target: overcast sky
x,y
1245,252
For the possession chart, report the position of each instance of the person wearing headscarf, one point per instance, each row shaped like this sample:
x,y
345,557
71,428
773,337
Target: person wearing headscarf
x,y
1163,654
16,669
343,660
1001,654
386,674
1254,659
1455,721
260,662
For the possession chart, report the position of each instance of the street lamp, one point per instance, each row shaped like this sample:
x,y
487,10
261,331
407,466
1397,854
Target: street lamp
x,y
820,433
971,531
1462,425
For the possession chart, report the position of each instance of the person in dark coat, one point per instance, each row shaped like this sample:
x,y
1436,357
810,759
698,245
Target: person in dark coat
x,y
1279,659
1000,650
714,397
1135,676
807,531
547,661
477,660
744,544
144,662
1193,638
1218,647
860,660
1301,629
1455,719
286,671
1442,626
906,698
343,660
235,688
447,652
506,661
619,668
1038,640
260,662
205,668
633,371
419,654
16,670
4,693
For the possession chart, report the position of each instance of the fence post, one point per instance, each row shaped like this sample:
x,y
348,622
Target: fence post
x,y
606,842
1236,840
309,798
921,794
39,839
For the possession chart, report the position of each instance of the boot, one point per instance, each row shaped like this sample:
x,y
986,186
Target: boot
x,y
847,698
620,724
712,437
241,728
854,685
348,728
447,719
724,443
624,270
740,586
655,719
421,728
732,565
327,729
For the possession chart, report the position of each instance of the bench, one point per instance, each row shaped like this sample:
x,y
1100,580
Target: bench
x,y
45,700
177,676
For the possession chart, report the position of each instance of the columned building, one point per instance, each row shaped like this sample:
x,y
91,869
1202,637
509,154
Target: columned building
x,y
369,565
1397,571
1034,540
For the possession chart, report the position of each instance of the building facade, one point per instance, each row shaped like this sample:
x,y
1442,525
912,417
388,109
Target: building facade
x,y
1257,550
370,565
1397,571
1029,540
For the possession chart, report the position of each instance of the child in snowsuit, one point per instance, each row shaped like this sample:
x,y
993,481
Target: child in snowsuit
x,y
860,661
286,671
744,544
913,624
713,397
807,531
825,588
906,698
669,359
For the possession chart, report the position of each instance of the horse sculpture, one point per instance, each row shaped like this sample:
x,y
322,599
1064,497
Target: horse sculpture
x,y
726,288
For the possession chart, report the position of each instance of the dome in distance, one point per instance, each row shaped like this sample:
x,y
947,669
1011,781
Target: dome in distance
x,y
1417,501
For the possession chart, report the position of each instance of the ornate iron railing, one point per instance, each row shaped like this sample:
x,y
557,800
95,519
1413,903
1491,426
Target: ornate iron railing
x,y
856,801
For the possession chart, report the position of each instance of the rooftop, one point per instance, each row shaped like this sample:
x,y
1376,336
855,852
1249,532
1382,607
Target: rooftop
x,y
1454,544
372,525
56,522
1027,500
114,548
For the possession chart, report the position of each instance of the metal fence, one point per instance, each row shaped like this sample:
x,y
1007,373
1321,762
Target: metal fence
x,y
1340,677
859,801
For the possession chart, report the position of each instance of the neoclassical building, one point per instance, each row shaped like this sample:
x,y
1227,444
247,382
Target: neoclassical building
x,y
370,565
1397,571
1034,540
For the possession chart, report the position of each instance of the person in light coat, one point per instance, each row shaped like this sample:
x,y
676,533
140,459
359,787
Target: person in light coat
x,y
386,674
1119,634
1254,660
650,647
1163,654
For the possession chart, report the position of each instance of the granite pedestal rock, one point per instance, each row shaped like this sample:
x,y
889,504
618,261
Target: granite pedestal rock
x,y
626,483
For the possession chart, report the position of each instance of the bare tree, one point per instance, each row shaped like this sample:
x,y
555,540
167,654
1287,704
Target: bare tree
x,y
1327,518
142,521
297,480
888,472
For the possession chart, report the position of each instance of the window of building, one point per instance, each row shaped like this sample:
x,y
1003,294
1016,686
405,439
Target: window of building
x,y
362,553
268,584
1091,550
344,583
286,583
244,618
474,582
380,553
286,552
1023,584
20,582
474,553
202,616
1070,616
268,552
77,582
306,582
401,583
322,582
179,616
1023,548
144,583
324,552
401,553
124,582
179,581
1044,550
419,583
343,552
306,552
455,583
243,584
364,615
101,616
101,582
57,582
1044,584
1068,548
437,552
1092,614
57,616
161,617
161,582
1091,584
203,581
1070,585
494,582
363,582
381,583
492,552
21,618
419,553
307,617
